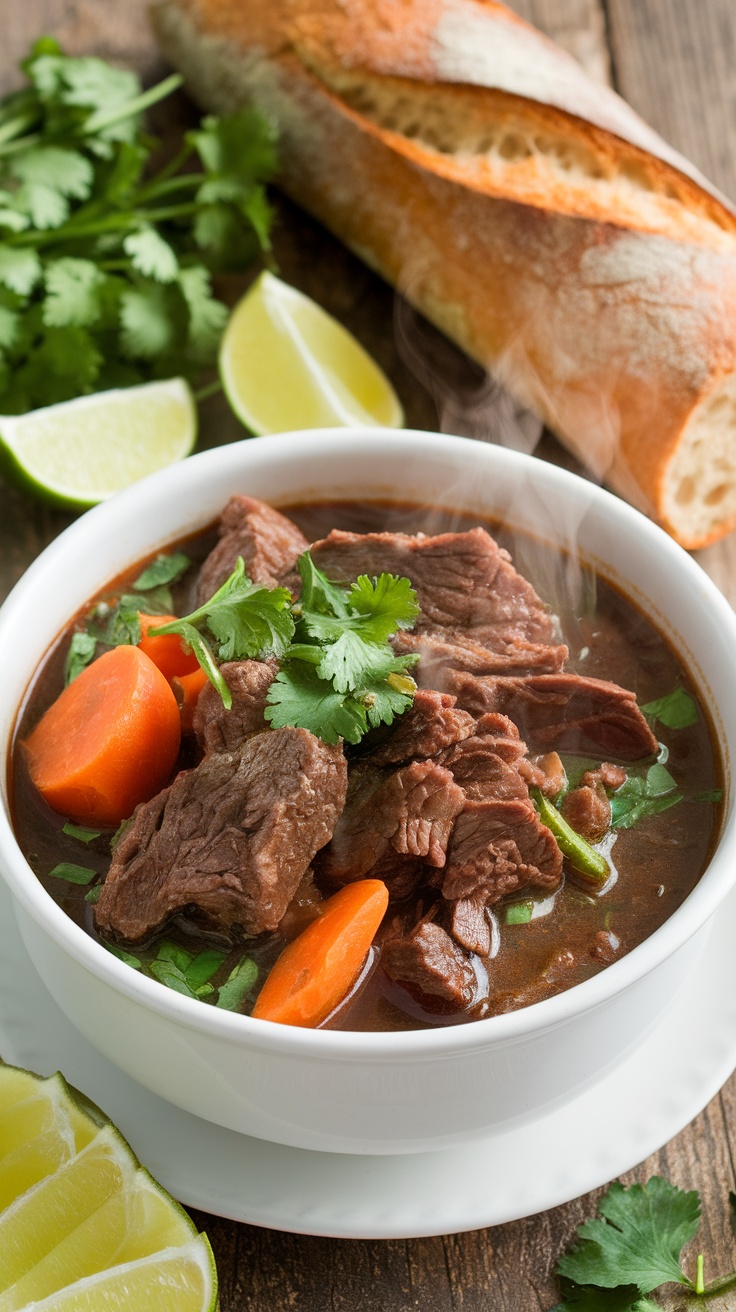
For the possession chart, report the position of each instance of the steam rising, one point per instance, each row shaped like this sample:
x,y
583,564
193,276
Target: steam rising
x,y
473,403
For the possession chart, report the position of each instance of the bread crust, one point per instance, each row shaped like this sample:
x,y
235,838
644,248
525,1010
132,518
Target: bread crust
x,y
603,294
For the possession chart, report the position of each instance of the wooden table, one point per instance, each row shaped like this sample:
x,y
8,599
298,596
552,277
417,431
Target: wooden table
x,y
674,61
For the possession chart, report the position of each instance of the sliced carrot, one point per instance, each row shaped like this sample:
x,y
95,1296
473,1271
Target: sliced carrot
x,y
314,973
186,688
108,742
169,653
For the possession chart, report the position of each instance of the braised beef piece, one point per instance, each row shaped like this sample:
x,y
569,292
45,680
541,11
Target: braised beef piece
x,y
469,925
430,724
498,847
464,581
268,542
487,765
564,711
222,730
230,840
511,654
408,811
547,773
431,967
588,811
611,777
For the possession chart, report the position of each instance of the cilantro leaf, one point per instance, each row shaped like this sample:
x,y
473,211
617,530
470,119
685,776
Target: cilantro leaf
x,y
20,268
299,697
390,602
384,702
151,255
644,795
586,1298
319,595
207,316
677,710
81,650
640,1239
148,320
122,955
72,292
166,568
203,967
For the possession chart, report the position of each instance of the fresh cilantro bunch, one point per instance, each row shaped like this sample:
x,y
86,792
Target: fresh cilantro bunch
x,y
636,1247
340,676
104,266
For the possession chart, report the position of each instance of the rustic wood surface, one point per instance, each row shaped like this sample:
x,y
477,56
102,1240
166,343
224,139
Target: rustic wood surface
x,y
673,59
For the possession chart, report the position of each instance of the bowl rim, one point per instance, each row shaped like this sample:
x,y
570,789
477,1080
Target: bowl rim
x,y
351,1045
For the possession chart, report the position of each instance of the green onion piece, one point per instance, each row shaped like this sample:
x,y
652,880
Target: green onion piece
x,y
519,913
179,957
93,895
74,874
170,975
578,852
203,967
237,984
123,956
81,832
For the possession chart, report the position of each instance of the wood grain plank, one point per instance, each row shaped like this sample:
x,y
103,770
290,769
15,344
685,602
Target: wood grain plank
x,y
579,26
674,63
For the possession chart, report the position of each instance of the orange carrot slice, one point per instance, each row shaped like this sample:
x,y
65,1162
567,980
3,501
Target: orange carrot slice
x,y
168,652
108,742
314,973
186,688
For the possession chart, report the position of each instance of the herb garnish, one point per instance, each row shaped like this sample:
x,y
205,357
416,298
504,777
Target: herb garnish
x,y
191,974
634,1249
105,269
72,873
340,675
246,620
677,710
80,832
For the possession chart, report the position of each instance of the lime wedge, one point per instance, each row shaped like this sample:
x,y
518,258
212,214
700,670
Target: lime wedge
x,y
285,363
82,1225
81,452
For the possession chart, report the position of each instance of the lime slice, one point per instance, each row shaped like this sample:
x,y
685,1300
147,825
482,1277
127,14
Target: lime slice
x,y
83,1227
81,452
285,363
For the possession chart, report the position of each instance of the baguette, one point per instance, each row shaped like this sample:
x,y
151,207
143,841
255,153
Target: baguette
x,y
524,209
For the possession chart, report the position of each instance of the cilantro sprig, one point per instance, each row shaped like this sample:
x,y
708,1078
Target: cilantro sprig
x,y
192,974
245,621
340,676
633,1248
104,267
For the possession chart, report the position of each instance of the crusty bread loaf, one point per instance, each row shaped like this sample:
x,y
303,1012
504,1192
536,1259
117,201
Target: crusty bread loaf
x,y
526,210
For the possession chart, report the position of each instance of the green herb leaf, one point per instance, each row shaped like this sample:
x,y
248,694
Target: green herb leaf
x,y
519,913
299,697
72,873
20,268
151,255
577,849
383,702
174,955
81,650
164,569
644,795
708,795
93,895
72,293
203,967
122,955
389,602
247,620
581,1298
81,832
237,985
170,975
677,710
640,1239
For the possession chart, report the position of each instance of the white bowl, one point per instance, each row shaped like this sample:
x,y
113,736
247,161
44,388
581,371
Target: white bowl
x,y
356,1092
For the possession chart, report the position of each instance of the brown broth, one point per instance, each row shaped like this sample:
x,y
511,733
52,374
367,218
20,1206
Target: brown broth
x,y
658,862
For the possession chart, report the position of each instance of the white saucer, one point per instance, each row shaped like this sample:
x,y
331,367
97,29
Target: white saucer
x,y
611,1127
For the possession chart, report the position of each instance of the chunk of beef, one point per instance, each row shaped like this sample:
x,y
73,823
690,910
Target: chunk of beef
x,y
222,730
464,581
409,811
268,542
498,847
588,811
441,651
431,967
230,839
563,711
430,724
547,773
606,775
487,765
469,925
